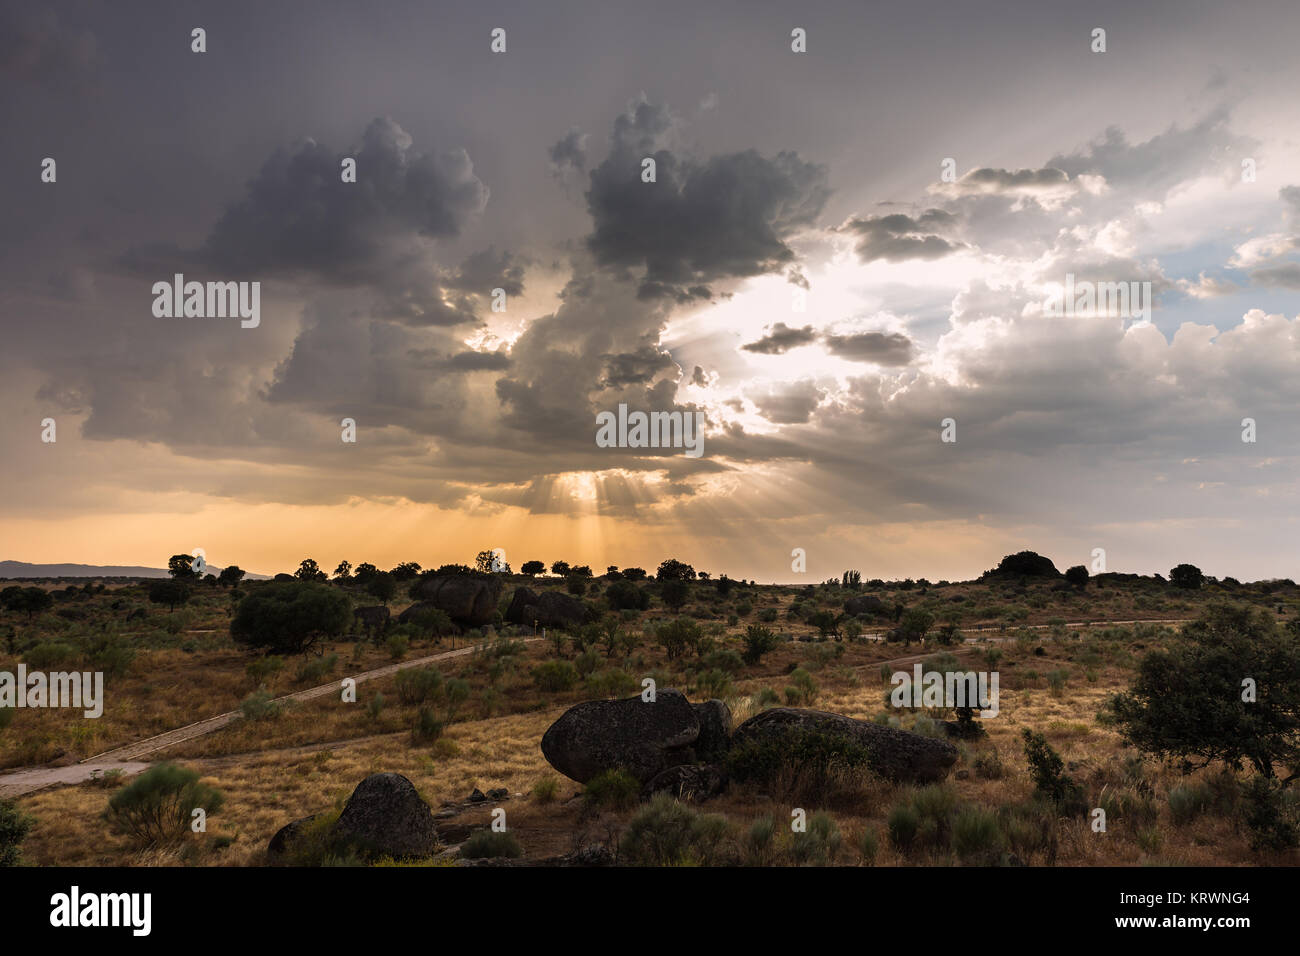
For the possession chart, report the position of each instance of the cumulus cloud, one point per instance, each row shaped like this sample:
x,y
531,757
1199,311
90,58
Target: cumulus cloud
x,y
781,339
897,236
882,348
702,220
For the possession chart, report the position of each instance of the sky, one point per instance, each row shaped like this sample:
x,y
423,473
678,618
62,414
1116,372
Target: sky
x,y
850,263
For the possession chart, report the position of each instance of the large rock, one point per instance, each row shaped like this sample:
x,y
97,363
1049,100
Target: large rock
x,y
372,618
638,736
386,817
287,835
897,755
469,600
548,609
714,741
865,604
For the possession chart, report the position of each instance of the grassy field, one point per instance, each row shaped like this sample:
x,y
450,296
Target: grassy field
x,y
307,757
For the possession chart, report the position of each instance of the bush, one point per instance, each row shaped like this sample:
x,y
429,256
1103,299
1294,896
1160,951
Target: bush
x,y
759,640
546,789
624,595
903,824
666,833
416,686
819,844
677,637
14,827
427,726
1046,768
289,617
976,837
1187,802
489,844
868,845
398,645
612,790
555,676
312,671
259,706
263,668
800,765
989,765
155,808
1268,816
48,654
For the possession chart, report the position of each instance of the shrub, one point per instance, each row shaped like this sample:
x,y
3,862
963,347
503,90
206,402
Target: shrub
x,y
760,842
868,845
1268,816
819,844
155,808
989,765
759,640
677,637
555,676
418,685
903,824
802,689
624,595
612,682
1187,802
488,844
976,837
800,765
546,789
666,833
48,654
376,706
427,726
612,790
312,671
14,827
259,706
262,668
398,644
1046,768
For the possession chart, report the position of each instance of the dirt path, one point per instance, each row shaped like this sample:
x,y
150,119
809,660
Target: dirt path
x,y
127,758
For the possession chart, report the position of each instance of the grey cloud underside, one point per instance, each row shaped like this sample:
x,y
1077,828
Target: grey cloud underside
x,y
882,348
781,339
727,216
897,237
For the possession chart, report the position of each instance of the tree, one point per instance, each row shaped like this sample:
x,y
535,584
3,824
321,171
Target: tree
x,y
1186,576
308,571
29,601
179,567
634,574
14,826
170,593
724,585
383,586
674,592
916,624
363,573
759,640
1186,700
624,594
289,617
677,637
230,576
406,571
1024,564
560,567
532,568
851,580
1077,576
612,572
343,571
826,623
674,570
581,571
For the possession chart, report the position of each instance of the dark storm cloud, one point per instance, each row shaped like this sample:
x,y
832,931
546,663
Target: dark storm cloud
x,y
637,368
698,377
36,47
897,237
883,348
484,271
781,339
478,361
569,153
299,217
700,221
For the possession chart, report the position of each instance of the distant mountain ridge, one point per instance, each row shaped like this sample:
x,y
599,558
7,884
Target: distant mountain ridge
x,y
22,569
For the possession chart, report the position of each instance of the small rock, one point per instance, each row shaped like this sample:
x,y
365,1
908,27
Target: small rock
x,y
477,796
499,793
